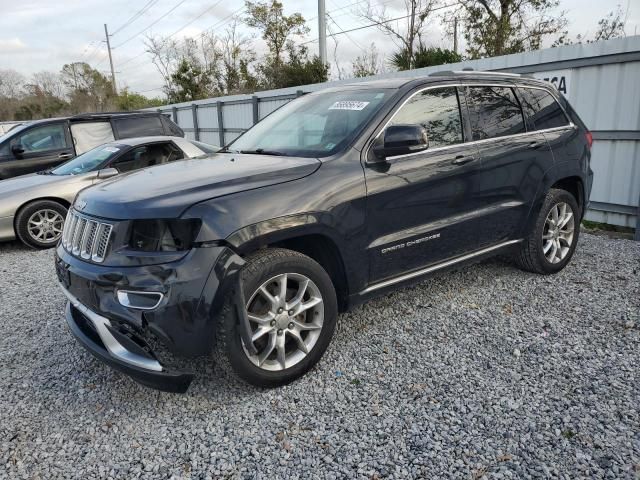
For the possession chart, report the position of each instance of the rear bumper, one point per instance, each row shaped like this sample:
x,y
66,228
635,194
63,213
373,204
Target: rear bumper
x,y
107,344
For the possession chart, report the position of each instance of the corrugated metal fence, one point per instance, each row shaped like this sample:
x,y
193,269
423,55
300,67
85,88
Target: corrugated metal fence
x,y
601,80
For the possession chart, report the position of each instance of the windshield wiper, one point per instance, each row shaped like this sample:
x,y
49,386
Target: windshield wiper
x,y
45,172
262,151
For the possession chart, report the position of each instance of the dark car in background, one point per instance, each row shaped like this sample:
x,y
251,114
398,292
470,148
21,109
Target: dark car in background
x,y
339,196
41,144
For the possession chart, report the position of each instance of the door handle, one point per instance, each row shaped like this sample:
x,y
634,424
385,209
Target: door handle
x,y
534,144
462,159
64,156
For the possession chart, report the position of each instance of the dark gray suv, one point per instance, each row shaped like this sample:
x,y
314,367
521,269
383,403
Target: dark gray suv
x,y
339,196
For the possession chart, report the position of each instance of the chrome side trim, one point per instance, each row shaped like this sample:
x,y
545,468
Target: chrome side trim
x,y
115,348
443,223
123,298
433,268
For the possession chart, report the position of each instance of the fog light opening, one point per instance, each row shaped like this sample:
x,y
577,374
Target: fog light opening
x,y
139,300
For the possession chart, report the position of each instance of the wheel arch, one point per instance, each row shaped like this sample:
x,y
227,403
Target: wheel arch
x,y
575,186
304,234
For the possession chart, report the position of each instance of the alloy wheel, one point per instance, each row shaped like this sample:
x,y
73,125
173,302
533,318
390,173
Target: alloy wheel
x,y
286,314
45,225
557,236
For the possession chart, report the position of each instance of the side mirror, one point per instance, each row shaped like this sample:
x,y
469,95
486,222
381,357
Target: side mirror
x,y
402,139
107,173
17,150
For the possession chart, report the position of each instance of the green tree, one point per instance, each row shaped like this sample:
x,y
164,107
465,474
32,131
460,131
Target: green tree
x,y
127,101
297,69
501,27
275,26
424,57
88,89
191,82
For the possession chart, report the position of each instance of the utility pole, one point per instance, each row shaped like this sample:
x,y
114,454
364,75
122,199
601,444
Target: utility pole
x,y
113,74
455,35
322,32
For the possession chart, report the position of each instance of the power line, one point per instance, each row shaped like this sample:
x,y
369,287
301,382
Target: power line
x,y
222,22
374,24
195,18
348,36
147,28
135,16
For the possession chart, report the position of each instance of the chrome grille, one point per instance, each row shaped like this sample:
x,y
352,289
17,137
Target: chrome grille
x,y
86,238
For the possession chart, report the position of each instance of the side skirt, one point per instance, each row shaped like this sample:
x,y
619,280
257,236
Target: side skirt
x,y
380,288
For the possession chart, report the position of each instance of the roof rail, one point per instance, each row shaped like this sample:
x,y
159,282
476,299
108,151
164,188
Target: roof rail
x,y
467,71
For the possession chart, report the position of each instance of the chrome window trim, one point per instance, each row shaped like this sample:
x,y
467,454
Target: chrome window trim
x,y
471,142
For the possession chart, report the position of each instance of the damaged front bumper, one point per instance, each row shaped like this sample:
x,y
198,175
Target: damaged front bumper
x,y
149,344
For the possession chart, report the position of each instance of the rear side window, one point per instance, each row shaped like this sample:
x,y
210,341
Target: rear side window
x,y
494,112
438,111
138,127
542,109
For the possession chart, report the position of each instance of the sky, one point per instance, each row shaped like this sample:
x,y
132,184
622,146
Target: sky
x,y
37,35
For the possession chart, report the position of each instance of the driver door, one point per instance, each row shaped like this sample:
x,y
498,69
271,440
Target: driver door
x,y
420,205
41,147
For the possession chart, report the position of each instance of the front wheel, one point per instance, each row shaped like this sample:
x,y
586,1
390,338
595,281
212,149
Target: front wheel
x,y
292,310
552,239
39,224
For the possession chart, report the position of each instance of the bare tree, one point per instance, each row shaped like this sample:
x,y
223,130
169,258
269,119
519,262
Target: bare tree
x,y
50,83
368,63
11,84
405,30
612,26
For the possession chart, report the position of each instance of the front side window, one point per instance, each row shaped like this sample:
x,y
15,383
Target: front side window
x,y
138,127
89,161
542,109
494,112
438,111
147,156
316,125
42,139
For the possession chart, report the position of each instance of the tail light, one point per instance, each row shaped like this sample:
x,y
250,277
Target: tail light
x,y
589,137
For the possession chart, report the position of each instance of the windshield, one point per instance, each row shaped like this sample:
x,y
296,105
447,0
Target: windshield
x,y
89,161
316,125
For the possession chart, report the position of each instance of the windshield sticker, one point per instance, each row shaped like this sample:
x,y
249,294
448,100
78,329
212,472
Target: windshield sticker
x,y
349,105
329,146
111,149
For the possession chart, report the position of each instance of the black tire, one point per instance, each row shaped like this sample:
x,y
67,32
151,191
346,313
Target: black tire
x,y
531,256
26,212
261,267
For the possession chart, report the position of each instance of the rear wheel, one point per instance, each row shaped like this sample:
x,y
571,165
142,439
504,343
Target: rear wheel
x,y
39,224
292,310
552,239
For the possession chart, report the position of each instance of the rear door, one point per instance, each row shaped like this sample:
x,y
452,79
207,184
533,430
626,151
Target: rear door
x,y
514,159
38,148
419,205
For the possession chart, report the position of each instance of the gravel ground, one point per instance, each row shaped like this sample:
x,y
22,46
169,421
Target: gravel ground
x,y
487,372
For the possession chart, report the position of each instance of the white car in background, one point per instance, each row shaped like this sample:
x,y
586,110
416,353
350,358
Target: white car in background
x,y
33,207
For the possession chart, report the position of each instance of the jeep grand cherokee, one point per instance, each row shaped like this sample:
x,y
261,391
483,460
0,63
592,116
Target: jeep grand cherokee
x,y
336,197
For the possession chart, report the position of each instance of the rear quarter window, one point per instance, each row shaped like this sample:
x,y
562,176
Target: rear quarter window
x,y
494,112
138,126
542,109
